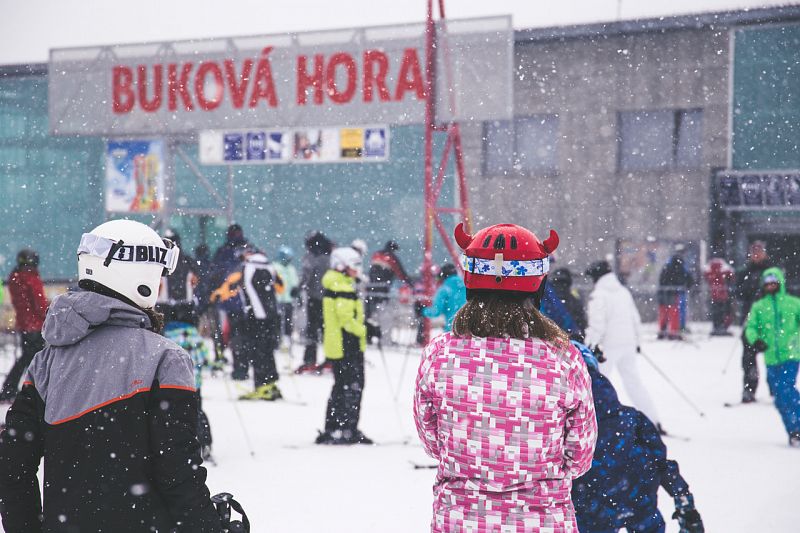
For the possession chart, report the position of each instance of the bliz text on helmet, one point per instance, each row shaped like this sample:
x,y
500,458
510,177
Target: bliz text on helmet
x,y
142,254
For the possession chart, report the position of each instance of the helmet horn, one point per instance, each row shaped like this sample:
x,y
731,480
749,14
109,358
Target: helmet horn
x,y
551,243
462,237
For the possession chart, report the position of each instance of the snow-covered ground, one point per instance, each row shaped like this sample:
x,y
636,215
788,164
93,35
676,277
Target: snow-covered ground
x,y
737,462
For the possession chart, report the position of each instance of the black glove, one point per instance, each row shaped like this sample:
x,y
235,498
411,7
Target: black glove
x,y
760,346
224,502
687,516
689,520
295,292
598,353
638,349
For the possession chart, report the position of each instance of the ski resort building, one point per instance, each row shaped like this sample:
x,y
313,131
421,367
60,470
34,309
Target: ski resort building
x,y
628,138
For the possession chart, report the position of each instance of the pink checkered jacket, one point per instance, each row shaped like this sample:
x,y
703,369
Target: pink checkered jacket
x,y
511,423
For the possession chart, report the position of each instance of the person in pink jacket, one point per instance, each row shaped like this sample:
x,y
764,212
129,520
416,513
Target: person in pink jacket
x,y
504,401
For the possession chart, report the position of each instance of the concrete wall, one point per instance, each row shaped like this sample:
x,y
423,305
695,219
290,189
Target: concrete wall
x,y
586,81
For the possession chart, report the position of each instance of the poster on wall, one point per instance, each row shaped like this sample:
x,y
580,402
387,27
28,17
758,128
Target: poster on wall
x,y
134,176
299,145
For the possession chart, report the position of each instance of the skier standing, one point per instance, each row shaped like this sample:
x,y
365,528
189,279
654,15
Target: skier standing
x,y
449,298
344,341
504,402
629,465
291,289
615,328
316,263
673,282
176,294
748,288
561,282
773,327
384,268
30,307
719,276
260,324
109,404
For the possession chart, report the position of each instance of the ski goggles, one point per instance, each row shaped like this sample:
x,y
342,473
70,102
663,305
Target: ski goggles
x,y
110,250
513,268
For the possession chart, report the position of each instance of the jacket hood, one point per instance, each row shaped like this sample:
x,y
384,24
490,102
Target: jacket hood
x,y
72,316
606,401
778,273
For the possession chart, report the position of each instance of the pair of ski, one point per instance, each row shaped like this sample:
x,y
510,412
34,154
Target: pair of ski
x,y
306,446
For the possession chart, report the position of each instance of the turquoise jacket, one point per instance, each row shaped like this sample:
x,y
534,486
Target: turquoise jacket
x,y
449,298
775,319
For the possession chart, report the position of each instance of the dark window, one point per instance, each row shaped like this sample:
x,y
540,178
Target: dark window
x,y
525,146
662,139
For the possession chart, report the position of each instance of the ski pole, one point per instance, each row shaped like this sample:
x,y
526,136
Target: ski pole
x,y
402,375
239,416
391,391
730,356
672,384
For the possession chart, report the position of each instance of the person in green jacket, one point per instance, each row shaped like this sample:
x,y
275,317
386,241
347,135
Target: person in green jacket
x,y
773,327
344,341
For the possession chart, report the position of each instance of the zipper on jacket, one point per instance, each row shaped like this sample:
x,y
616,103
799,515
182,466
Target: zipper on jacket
x,y
776,325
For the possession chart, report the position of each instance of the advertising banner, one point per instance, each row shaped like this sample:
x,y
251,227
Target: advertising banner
x,y
134,176
299,145
328,78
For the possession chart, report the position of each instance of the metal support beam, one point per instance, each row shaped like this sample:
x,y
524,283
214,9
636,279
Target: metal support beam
x,y
433,184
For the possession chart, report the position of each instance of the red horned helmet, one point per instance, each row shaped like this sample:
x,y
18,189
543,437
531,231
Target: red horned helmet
x,y
505,257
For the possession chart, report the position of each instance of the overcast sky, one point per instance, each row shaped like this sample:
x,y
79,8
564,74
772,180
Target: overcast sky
x,y
30,28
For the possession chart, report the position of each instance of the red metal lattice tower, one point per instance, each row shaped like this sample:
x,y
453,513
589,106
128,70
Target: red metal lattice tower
x,y
434,183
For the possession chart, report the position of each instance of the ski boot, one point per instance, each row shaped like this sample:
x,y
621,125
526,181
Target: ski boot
x,y
322,368
306,368
748,396
794,440
269,392
359,438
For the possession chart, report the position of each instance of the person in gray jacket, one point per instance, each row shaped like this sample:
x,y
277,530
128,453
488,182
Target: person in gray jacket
x,y
109,404
316,262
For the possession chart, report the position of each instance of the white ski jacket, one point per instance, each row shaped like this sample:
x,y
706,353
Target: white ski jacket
x,y
614,321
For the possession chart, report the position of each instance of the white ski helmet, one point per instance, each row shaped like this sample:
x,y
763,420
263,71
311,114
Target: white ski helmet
x,y
127,257
360,246
346,257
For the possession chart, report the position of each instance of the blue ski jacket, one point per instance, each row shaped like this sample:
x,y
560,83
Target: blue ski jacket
x,y
449,298
630,463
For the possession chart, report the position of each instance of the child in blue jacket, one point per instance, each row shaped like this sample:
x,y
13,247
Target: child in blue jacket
x,y
630,463
449,298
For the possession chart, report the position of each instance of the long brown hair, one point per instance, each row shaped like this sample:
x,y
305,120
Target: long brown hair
x,y
505,314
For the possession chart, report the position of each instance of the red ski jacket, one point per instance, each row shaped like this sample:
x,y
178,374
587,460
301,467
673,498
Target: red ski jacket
x,y
27,297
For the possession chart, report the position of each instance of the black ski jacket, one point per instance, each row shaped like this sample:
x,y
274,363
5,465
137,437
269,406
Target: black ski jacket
x,y
111,408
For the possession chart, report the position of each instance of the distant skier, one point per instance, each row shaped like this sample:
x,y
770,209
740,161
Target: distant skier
x,y
773,327
570,314
449,297
291,290
176,294
629,465
748,290
260,324
344,341
109,404
384,268
504,402
719,276
615,328
30,307
673,284
316,263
